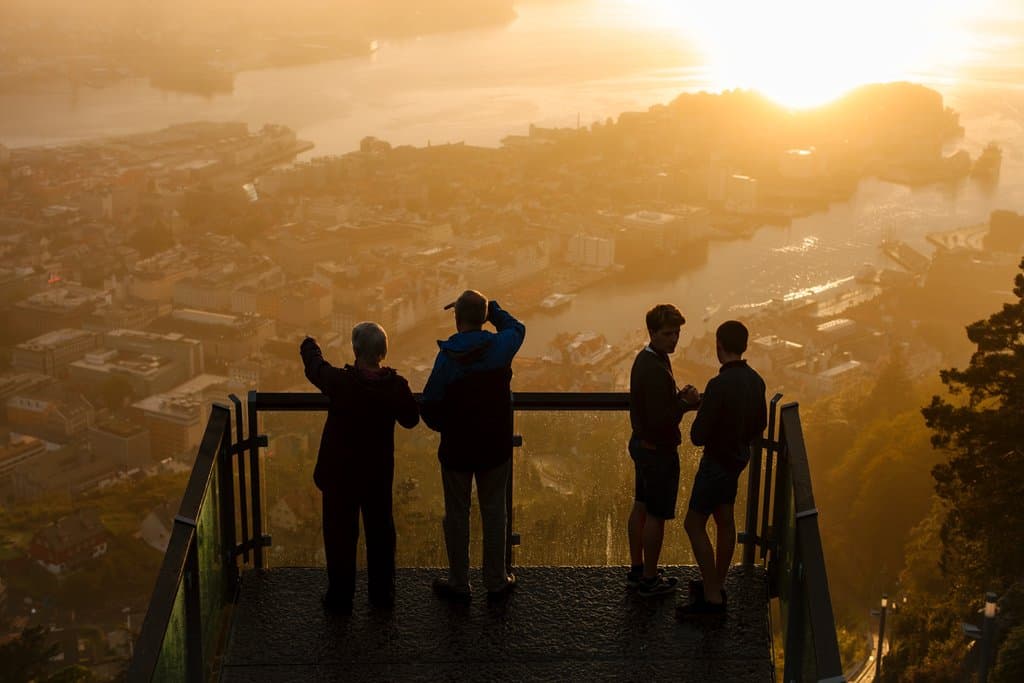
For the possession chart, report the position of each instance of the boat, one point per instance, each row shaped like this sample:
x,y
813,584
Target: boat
x,y
556,300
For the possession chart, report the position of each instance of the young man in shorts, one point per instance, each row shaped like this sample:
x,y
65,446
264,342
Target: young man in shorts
x,y
656,407
732,415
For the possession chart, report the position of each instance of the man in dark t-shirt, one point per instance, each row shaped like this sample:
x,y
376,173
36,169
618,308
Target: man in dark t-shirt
x,y
656,406
732,416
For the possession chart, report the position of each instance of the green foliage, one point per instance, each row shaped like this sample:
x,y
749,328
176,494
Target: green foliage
x,y
972,539
1009,666
870,459
25,658
72,674
981,426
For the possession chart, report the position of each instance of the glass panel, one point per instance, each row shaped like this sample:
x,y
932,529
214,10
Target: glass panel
x,y
574,490
573,487
171,666
292,503
211,568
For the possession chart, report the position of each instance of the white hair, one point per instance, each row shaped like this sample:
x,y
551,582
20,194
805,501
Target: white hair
x,y
369,340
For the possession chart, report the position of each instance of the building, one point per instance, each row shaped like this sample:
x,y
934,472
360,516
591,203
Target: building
x,y
183,351
591,251
70,542
51,353
213,288
156,528
13,383
51,414
144,373
19,449
58,307
124,441
153,279
224,337
72,470
304,303
176,419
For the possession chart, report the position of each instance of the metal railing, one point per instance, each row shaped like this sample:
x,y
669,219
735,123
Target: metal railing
x,y
215,532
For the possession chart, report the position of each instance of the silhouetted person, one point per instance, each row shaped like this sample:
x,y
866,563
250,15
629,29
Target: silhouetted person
x,y
656,406
356,462
468,399
732,415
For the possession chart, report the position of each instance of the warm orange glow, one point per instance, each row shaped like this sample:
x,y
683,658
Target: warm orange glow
x,y
807,52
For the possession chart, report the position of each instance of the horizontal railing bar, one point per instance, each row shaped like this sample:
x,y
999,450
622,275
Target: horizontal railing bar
x,y
206,458
521,400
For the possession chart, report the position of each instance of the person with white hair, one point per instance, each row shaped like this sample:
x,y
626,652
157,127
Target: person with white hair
x,y
355,465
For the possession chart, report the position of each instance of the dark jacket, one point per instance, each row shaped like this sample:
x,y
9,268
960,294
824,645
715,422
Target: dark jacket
x,y
359,435
732,414
468,396
655,406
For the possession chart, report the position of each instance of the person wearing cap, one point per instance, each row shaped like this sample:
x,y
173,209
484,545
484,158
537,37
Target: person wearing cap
x,y
356,463
468,399
656,406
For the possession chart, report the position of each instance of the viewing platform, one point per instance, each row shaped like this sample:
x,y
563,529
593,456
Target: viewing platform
x,y
561,623
227,606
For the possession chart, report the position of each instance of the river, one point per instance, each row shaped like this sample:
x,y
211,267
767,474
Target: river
x,y
584,60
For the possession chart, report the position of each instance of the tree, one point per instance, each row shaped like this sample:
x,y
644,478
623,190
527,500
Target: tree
x,y
981,426
25,658
1010,664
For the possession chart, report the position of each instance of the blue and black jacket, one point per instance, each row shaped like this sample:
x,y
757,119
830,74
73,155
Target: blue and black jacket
x,y
468,396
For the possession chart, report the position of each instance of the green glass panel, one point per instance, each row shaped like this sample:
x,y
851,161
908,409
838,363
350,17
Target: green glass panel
x,y
171,666
211,569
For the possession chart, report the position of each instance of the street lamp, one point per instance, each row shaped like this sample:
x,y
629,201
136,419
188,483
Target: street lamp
x,y
881,636
987,629
985,634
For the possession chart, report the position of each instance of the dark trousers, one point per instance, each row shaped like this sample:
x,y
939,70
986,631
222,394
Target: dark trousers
x,y
341,508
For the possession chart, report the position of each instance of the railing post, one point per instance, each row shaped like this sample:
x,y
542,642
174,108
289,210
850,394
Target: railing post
x,y
257,498
770,453
749,536
243,494
226,493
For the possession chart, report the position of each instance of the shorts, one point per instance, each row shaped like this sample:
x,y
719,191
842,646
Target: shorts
x,y
712,486
657,478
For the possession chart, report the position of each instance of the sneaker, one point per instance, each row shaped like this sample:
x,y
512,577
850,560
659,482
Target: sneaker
x,y
699,610
696,590
635,576
446,591
503,592
659,585
336,606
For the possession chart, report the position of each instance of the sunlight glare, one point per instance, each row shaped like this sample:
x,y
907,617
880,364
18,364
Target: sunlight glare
x,y
807,52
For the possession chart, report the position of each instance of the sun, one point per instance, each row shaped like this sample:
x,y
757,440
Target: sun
x,y
803,53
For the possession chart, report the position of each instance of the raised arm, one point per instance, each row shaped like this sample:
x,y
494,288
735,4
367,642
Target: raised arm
x,y
319,372
511,334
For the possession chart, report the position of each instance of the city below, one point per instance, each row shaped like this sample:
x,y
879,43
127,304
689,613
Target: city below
x,y
144,277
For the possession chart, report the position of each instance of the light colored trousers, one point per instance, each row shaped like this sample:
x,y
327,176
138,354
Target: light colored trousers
x,y
491,489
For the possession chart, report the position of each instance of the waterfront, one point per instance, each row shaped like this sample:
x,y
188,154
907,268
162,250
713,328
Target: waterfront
x,y
556,63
